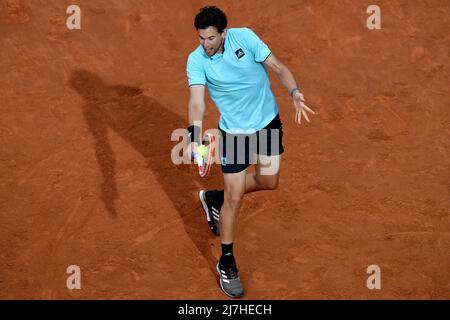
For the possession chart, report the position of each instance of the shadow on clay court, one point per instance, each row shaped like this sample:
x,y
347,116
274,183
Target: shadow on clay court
x,y
147,126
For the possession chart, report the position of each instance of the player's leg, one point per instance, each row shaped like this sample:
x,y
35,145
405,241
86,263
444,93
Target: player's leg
x,y
212,200
233,195
270,148
266,175
234,184
234,173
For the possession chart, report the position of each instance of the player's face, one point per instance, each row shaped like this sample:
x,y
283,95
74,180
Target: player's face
x,y
211,40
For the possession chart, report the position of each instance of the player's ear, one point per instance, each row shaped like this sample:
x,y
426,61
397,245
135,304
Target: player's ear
x,y
224,33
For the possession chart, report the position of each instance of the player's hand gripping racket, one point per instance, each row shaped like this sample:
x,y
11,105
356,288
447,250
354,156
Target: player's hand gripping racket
x,y
205,155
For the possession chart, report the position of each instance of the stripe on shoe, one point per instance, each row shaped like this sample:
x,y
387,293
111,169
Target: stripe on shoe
x,y
204,205
216,214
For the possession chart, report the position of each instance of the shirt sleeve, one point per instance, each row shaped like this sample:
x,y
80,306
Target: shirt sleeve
x,y
195,71
256,46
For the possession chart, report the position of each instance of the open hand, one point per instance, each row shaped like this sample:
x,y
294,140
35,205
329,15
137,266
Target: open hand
x,y
300,107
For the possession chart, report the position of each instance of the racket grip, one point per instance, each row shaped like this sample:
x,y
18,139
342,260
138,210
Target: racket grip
x,y
198,157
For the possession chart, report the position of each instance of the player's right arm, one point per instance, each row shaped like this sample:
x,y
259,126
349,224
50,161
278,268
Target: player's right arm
x,y
197,82
196,104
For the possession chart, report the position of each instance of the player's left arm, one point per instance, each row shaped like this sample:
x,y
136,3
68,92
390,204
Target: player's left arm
x,y
288,80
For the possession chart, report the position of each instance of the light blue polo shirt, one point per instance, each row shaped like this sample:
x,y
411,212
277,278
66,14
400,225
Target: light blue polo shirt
x,y
237,81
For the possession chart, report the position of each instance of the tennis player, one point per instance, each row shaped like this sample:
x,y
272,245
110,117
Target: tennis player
x,y
231,63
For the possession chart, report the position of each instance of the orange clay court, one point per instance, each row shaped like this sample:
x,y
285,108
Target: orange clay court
x,y
86,178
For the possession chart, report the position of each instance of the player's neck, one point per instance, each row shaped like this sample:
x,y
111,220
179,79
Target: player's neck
x,y
222,47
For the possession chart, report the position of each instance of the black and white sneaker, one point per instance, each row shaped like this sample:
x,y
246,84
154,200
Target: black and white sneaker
x,y
230,283
212,212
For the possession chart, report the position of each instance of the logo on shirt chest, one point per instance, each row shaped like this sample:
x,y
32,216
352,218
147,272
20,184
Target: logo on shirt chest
x,y
239,53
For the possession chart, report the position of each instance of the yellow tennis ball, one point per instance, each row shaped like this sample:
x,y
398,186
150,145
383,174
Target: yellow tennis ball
x,y
202,151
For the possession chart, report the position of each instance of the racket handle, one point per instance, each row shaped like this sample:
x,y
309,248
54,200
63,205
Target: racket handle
x,y
199,158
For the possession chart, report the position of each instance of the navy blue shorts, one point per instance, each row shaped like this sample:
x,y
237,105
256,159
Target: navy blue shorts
x,y
238,151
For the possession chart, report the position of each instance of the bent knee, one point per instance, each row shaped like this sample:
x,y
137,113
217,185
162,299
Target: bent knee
x,y
268,183
272,185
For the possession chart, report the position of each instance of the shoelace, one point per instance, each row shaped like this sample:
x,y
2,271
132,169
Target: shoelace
x,y
230,270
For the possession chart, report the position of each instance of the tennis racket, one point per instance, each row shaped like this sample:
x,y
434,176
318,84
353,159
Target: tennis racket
x,y
204,164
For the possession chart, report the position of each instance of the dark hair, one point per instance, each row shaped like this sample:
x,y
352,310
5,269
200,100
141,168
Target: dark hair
x,y
211,16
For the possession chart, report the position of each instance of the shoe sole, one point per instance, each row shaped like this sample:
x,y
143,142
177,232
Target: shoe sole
x,y
221,285
201,195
